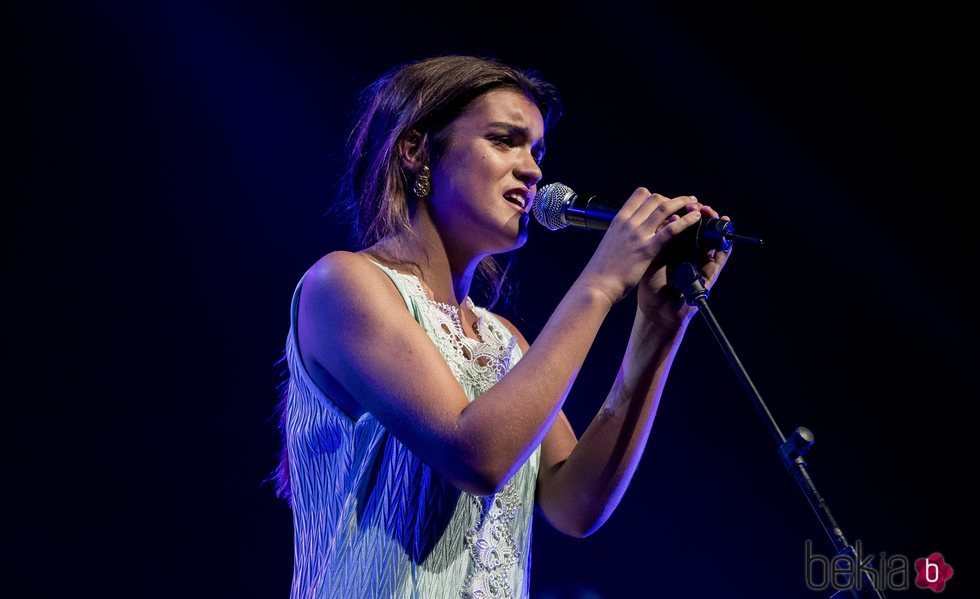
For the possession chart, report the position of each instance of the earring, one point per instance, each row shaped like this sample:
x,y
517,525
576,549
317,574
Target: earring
x,y
423,183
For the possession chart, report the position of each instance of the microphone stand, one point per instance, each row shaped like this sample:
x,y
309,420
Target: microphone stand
x,y
557,206
687,277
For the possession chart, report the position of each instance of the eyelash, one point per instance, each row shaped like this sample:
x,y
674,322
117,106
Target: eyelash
x,y
509,141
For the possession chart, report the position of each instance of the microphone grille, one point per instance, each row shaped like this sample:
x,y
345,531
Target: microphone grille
x,y
549,205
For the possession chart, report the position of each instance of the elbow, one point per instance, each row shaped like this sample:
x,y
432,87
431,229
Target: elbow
x,y
482,488
476,484
491,484
586,531
479,481
580,530
485,477
578,523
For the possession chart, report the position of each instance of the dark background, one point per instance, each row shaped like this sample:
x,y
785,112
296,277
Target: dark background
x,y
166,182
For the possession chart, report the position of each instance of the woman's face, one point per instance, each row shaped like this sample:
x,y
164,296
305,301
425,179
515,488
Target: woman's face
x,y
494,149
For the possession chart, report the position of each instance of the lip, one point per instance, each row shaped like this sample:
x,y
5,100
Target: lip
x,y
515,205
524,193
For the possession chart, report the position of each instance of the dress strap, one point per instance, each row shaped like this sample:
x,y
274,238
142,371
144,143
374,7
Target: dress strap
x,y
402,285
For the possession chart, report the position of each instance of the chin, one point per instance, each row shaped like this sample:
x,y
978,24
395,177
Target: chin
x,y
522,233
513,235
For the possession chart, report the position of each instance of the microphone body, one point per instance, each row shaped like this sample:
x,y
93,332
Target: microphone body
x,y
556,206
589,212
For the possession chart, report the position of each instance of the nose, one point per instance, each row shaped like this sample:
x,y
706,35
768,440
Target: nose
x,y
528,172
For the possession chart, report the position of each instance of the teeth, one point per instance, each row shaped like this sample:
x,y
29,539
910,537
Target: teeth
x,y
515,198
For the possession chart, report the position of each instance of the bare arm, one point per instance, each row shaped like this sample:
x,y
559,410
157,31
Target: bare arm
x,y
578,493
581,482
353,323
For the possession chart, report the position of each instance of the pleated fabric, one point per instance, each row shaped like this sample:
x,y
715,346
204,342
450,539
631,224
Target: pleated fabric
x,y
372,520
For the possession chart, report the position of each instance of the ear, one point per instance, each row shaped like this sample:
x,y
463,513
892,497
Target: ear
x,y
412,150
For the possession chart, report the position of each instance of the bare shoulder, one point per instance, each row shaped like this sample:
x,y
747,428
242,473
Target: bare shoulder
x,y
340,265
521,341
346,300
347,278
356,322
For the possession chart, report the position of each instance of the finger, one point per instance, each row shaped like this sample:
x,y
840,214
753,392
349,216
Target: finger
x,y
712,269
660,213
673,218
636,200
709,211
721,257
671,230
654,202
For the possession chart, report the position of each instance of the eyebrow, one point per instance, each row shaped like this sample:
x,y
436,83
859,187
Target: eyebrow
x,y
515,128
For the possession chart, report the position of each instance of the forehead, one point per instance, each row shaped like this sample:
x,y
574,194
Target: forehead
x,y
504,106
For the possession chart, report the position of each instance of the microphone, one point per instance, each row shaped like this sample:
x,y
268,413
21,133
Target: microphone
x,y
556,206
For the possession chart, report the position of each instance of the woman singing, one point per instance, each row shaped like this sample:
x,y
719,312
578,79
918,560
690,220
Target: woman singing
x,y
419,429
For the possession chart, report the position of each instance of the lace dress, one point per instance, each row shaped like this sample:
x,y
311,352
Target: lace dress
x,y
369,518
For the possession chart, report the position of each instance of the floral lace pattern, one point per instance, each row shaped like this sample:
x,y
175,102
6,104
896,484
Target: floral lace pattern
x,y
484,360
492,546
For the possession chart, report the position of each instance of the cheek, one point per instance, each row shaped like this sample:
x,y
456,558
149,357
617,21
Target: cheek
x,y
466,181
469,173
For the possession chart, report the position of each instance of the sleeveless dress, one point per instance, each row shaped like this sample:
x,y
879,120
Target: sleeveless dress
x,y
369,518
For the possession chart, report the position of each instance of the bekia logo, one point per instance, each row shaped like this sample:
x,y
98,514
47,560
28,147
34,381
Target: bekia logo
x,y
932,572
850,571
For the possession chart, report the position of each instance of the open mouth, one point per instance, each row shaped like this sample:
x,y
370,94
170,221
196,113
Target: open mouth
x,y
516,202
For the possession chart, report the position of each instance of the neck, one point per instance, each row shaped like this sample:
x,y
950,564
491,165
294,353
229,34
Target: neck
x,y
447,267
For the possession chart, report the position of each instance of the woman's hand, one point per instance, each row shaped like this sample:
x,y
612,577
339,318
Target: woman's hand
x,y
656,298
634,239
